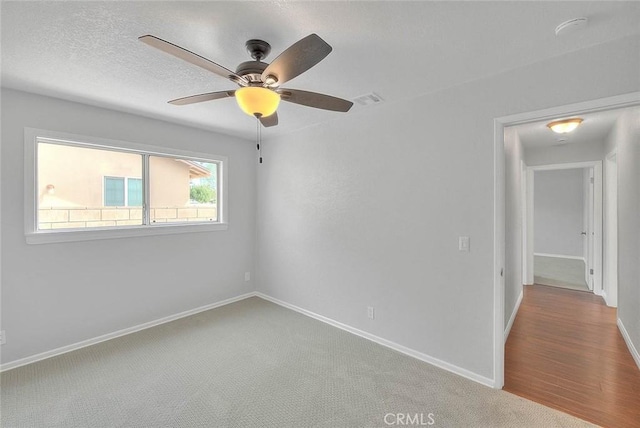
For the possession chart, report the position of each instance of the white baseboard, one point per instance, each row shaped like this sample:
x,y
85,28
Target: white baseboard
x,y
384,342
630,345
560,256
64,349
507,330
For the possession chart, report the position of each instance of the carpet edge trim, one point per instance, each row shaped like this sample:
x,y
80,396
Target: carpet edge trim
x,y
119,333
632,349
384,342
507,330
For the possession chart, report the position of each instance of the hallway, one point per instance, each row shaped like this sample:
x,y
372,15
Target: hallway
x,y
565,351
560,272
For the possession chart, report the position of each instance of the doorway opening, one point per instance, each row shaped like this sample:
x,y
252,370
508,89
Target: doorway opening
x,y
566,226
504,297
574,219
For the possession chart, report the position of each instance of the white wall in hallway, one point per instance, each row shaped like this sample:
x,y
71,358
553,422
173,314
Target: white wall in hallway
x,y
513,152
559,212
585,151
626,137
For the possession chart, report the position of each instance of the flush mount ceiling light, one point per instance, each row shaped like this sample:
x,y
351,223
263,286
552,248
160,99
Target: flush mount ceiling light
x,y
257,101
564,126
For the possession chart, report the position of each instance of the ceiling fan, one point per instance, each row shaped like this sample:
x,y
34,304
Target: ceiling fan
x,y
260,92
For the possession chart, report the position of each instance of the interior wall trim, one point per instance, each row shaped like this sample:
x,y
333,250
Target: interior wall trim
x,y
512,318
88,342
384,342
560,256
632,348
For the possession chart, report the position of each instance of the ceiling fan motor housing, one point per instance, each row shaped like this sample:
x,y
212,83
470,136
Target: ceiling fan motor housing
x,y
251,70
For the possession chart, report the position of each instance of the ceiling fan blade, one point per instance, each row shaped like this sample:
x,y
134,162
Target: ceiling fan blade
x,y
209,96
269,120
297,59
314,99
191,57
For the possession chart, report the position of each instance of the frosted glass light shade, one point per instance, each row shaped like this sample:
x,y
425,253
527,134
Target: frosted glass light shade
x,y
564,126
256,100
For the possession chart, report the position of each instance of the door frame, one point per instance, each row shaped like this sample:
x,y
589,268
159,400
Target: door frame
x,y
595,213
610,224
601,104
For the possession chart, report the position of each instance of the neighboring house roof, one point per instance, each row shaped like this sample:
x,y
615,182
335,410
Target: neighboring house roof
x,y
195,169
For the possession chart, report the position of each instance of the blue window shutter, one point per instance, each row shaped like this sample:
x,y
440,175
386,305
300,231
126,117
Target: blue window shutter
x,y
134,192
113,192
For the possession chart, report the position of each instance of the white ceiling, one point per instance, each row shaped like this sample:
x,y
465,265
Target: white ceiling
x,y
89,52
595,127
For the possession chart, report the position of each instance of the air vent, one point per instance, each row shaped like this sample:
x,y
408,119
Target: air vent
x,y
368,99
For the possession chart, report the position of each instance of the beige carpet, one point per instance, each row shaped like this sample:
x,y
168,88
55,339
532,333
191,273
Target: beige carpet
x,y
559,272
252,364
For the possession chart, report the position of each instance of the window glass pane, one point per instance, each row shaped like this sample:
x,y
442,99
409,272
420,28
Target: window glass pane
x,y
80,187
182,190
134,192
113,192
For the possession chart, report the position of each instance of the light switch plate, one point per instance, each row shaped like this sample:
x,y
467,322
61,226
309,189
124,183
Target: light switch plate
x,y
463,244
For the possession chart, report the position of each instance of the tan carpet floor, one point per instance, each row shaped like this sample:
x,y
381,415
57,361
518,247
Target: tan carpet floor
x,y
251,364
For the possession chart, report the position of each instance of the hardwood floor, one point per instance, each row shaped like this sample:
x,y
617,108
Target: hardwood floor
x,y
565,351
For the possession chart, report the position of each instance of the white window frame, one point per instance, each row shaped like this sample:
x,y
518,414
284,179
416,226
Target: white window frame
x,y
35,236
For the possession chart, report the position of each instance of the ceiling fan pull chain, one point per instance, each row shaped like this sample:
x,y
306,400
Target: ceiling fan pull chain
x,y
259,132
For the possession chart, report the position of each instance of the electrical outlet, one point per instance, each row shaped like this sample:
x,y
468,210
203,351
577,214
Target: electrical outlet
x,y
3,337
247,276
370,312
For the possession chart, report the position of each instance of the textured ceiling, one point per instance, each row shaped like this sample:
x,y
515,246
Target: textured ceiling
x,y
89,52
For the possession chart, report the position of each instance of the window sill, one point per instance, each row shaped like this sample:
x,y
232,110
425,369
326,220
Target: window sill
x,y
49,237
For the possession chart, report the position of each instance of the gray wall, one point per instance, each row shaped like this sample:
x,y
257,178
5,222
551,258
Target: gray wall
x,y
58,294
513,153
558,215
583,152
367,210
627,137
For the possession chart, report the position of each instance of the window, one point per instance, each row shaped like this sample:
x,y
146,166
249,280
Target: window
x,y
113,192
117,194
182,190
134,192
84,188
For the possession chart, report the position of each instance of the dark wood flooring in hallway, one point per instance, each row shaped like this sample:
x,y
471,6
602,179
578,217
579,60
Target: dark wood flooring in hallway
x,y
565,351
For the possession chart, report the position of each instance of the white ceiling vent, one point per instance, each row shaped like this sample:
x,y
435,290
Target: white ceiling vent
x,y
368,99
